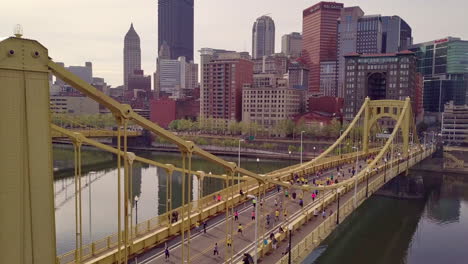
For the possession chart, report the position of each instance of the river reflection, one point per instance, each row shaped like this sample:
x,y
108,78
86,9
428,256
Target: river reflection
x,y
385,230
99,191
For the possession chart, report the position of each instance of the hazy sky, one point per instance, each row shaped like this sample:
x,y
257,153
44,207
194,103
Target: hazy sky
x,y
76,31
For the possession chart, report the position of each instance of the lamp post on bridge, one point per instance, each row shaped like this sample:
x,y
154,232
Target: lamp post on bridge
x,y
341,152
302,132
250,196
239,164
367,183
385,171
338,206
398,161
136,210
290,244
355,175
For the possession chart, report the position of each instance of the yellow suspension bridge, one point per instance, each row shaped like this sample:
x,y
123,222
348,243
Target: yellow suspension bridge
x,y
363,160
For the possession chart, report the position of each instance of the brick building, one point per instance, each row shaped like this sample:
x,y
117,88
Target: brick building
x,y
379,76
223,79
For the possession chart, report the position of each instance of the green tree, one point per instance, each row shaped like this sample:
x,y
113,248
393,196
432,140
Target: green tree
x,y
174,125
292,148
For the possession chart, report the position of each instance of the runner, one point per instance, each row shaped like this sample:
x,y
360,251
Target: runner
x,y
215,250
236,215
253,215
229,241
239,228
167,255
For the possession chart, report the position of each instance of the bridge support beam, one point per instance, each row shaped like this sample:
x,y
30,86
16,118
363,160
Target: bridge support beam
x,y
366,127
405,129
27,221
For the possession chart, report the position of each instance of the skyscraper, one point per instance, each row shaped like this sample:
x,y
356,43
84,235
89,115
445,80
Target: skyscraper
x,y
263,37
132,54
291,44
175,26
319,40
396,34
347,40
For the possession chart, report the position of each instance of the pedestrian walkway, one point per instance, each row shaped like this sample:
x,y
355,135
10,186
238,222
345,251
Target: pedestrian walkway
x,y
201,245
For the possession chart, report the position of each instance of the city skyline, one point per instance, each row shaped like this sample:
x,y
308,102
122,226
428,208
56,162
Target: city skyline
x,y
71,42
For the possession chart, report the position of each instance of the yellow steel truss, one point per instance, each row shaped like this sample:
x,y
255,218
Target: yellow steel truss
x,y
26,182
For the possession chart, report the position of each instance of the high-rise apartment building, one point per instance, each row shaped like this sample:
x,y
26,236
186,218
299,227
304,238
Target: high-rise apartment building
x,y
223,78
291,44
206,56
320,31
263,37
379,76
175,27
132,54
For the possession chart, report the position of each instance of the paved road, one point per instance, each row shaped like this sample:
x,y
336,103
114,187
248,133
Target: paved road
x,y
202,245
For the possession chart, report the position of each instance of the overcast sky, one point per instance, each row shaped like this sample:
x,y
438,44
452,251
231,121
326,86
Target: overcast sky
x,y
76,31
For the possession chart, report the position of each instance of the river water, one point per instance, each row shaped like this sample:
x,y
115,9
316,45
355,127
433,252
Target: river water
x,y
99,193
383,230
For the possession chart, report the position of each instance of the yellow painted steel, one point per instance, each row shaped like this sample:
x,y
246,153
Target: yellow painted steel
x,y
27,222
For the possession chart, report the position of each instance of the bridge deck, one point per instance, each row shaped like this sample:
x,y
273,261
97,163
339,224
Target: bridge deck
x,y
202,244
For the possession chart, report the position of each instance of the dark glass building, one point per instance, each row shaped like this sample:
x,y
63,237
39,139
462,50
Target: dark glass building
x,y
175,26
439,92
444,65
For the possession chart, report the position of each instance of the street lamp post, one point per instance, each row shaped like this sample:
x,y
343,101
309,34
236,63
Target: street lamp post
x,y
258,164
302,132
290,244
341,152
338,206
385,171
239,164
355,176
398,163
314,153
136,210
256,227
367,183
289,158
